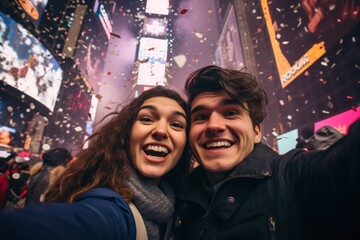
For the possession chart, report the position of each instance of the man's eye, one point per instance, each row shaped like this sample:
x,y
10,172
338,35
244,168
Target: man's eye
x,y
199,117
230,113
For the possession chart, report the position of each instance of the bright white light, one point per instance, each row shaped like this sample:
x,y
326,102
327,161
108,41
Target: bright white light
x,y
157,7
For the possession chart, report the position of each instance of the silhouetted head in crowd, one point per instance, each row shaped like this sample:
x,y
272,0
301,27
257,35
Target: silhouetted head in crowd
x,y
323,138
56,156
307,133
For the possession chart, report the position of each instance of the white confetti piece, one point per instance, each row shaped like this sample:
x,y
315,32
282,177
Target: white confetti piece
x,y
180,60
78,129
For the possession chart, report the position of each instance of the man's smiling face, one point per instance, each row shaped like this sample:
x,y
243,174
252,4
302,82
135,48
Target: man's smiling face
x,y
221,134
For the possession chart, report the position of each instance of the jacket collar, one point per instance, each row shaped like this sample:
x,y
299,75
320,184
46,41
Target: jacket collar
x,y
256,166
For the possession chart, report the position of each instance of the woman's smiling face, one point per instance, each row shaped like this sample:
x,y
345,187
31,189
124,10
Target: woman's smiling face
x,y
158,137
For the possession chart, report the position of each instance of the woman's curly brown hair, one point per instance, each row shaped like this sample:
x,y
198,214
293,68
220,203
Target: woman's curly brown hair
x,y
105,162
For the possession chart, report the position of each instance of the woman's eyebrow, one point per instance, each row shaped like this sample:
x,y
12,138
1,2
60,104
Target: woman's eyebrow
x,y
154,109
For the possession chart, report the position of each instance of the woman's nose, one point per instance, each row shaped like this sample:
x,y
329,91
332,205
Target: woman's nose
x,y
160,132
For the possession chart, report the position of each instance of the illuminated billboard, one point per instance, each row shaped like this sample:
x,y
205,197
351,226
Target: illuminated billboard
x,y
229,51
91,52
301,31
27,65
157,7
34,9
340,121
104,16
155,27
152,58
287,141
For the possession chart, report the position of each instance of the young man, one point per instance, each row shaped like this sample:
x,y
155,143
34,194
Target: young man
x,y
243,189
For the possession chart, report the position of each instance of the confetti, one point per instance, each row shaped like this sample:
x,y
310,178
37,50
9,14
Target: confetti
x,y
180,60
184,11
141,17
78,129
98,96
150,49
144,61
115,35
198,35
330,105
9,109
339,51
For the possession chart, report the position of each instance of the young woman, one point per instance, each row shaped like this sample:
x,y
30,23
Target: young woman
x,y
139,155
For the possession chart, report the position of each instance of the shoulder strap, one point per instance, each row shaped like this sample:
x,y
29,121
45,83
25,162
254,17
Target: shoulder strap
x,y
141,233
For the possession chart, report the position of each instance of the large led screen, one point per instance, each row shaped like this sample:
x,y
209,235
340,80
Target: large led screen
x,y
301,31
152,58
155,27
28,65
103,14
229,52
91,51
157,7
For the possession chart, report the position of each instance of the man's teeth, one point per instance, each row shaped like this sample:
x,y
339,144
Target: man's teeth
x,y
218,144
157,149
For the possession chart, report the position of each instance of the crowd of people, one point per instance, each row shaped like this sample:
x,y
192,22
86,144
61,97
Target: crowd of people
x,y
23,183
137,180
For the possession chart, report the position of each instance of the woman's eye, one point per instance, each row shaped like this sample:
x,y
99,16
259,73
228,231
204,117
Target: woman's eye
x,y
177,125
145,119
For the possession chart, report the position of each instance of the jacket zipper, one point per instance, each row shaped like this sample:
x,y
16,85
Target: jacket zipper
x,y
272,228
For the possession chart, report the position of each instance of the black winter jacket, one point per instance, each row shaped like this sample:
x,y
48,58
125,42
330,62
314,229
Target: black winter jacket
x,y
301,195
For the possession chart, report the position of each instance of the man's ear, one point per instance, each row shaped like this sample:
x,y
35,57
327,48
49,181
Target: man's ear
x,y
257,136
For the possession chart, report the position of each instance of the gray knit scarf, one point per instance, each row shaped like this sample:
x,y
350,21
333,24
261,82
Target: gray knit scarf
x,y
154,202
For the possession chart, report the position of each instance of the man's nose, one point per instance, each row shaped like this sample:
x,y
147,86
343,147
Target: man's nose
x,y
214,125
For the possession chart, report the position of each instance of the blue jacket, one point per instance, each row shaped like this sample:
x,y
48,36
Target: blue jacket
x,y
98,214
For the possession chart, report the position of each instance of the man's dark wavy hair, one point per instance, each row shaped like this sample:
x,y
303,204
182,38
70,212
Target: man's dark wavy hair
x,y
238,84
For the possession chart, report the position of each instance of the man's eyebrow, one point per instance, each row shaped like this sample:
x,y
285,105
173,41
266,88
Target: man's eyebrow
x,y
154,109
229,101
224,102
197,109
